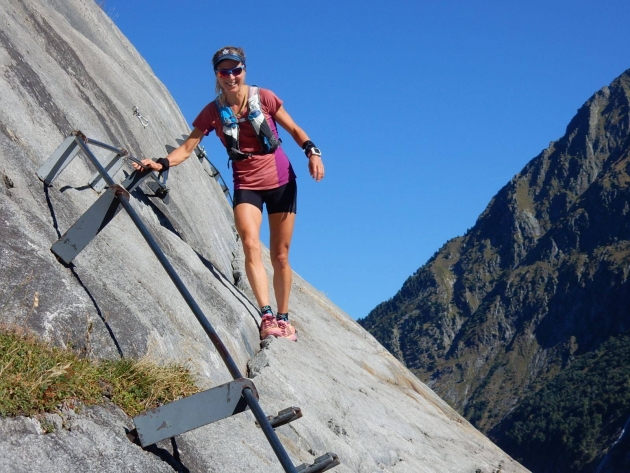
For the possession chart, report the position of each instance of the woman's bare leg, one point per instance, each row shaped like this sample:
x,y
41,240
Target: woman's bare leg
x,y
281,231
248,219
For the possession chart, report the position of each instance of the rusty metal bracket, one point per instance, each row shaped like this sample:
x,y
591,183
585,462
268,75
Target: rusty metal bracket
x,y
120,192
80,134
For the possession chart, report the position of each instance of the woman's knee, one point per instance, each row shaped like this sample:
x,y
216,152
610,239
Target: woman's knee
x,y
251,247
280,257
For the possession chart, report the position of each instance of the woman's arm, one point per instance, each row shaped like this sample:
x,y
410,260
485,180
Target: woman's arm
x,y
178,155
315,164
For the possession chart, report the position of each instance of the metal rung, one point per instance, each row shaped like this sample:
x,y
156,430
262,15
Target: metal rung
x,y
87,226
90,224
112,165
58,161
192,412
284,417
325,462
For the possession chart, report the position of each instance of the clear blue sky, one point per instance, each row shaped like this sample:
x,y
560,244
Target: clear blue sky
x,y
423,110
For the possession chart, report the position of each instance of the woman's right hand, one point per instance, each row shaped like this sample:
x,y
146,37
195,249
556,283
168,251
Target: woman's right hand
x,y
149,165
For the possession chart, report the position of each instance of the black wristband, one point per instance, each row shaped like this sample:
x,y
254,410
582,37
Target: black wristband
x,y
307,146
165,164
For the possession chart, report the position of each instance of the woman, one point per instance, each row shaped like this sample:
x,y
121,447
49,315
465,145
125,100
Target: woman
x,y
262,175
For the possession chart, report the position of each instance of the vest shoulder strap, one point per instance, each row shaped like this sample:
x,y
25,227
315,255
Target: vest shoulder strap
x,y
268,140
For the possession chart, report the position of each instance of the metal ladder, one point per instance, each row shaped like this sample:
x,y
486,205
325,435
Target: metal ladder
x,y
202,408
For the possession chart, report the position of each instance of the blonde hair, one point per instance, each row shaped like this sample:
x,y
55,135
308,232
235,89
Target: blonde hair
x,y
235,50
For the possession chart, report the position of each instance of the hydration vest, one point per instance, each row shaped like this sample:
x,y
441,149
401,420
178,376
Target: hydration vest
x,y
269,142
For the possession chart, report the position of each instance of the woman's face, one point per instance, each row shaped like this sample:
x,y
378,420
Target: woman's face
x,y
230,82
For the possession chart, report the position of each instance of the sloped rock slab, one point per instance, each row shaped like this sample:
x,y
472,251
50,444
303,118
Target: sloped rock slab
x,y
93,440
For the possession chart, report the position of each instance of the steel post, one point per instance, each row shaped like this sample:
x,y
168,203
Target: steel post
x,y
267,429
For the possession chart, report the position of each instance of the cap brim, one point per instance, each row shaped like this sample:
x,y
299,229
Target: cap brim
x,y
233,57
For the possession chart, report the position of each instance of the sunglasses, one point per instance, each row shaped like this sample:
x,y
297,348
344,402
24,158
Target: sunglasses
x,y
235,71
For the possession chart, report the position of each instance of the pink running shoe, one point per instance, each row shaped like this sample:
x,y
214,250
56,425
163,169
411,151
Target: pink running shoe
x,y
269,327
288,331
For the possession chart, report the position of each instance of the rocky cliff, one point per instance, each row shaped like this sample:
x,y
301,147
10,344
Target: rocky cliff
x,y
65,66
540,284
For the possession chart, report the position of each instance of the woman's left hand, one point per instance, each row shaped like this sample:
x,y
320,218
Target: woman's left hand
x,y
316,167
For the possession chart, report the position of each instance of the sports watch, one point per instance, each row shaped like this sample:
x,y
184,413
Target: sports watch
x,y
310,148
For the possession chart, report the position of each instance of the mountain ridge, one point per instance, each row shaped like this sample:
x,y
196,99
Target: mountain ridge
x,y
540,279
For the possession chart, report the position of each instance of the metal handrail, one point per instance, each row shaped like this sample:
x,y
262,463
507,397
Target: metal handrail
x,y
250,398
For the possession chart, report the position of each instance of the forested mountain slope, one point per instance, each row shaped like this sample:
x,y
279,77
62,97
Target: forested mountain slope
x,y
538,285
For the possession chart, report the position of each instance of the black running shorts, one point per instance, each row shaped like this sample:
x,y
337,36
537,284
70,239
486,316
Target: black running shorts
x,y
282,199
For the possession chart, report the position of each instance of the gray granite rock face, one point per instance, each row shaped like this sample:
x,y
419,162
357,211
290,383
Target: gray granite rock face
x,y
93,440
65,66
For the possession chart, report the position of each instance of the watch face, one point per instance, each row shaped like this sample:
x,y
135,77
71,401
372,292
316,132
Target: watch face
x,y
316,151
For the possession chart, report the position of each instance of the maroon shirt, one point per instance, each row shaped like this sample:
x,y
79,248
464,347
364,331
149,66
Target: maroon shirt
x,y
258,172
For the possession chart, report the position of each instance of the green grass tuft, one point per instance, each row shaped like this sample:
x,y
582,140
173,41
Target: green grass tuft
x,y
37,378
